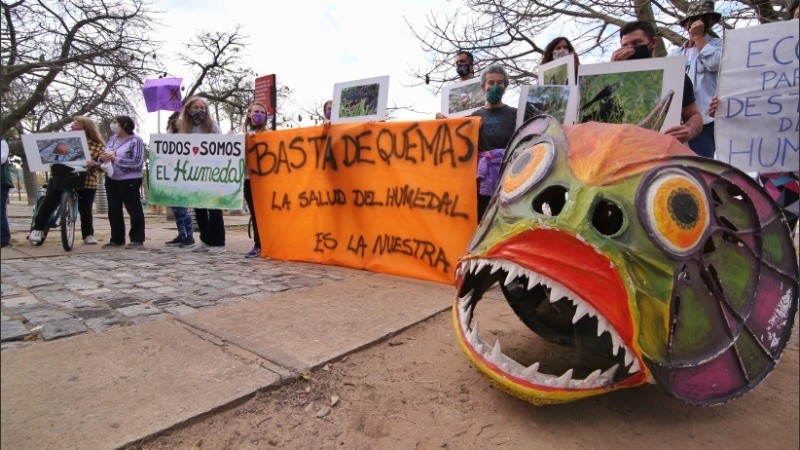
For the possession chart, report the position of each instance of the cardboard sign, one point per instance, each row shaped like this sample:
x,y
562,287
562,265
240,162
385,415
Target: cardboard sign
x,y
629,91
757,124
395,197
360,100
44,149
196,170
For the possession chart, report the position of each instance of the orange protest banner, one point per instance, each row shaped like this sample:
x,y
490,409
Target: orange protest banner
x,y
390,197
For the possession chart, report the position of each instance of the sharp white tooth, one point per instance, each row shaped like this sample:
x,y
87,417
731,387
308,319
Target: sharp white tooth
x,y
601,325
473,264
496,355
563,380
628,359
481,264
464,320
530,371
495,268
650,379
580,311
592,377
533,280
473,333
635,367
608,375
511,276
616,345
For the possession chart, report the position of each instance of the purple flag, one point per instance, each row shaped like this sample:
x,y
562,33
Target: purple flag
x,y
162,94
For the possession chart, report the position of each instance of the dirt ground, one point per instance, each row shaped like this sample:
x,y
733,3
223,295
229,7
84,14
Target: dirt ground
x,y
416,390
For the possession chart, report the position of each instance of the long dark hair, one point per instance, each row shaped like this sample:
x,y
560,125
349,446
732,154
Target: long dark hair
x,y
548,51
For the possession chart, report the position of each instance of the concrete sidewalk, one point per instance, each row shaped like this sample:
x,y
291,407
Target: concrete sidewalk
x,y
121,344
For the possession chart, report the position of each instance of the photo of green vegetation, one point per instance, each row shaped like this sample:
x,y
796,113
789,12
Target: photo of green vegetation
x,y
556,75
619,97
550,100
358,101
465,97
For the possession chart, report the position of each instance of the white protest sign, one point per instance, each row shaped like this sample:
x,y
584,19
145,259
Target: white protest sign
x,y
197,170
757,125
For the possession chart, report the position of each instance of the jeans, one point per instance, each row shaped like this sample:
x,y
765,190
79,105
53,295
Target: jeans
x,y
125,193
248,196
183,220
211,225
703,144
5,236
52,200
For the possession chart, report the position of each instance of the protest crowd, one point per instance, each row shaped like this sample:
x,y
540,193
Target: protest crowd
x,y
119,161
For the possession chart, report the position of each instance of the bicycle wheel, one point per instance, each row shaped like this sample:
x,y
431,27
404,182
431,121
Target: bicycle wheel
x,y
67,220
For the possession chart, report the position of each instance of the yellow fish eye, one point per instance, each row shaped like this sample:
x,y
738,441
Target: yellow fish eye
x,y
677,211
525,169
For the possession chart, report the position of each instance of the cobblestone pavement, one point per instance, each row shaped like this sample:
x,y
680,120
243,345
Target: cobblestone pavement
x,y
55,297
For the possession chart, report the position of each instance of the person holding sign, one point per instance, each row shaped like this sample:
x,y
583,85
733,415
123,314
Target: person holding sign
x,y
194,118
637,41
703,54
256,122
465,68
125,151
498,123
86,195
183,218
559,48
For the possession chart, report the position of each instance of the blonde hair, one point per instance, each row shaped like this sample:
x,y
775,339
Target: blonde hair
x,y
185,123
247,123
90,128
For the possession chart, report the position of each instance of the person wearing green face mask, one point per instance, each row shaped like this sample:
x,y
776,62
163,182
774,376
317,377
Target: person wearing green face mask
x,y
498,123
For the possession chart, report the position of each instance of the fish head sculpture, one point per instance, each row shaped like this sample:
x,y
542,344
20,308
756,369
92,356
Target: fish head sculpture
x,y
665,267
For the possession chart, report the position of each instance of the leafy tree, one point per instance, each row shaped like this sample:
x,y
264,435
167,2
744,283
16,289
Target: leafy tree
x,y
507,31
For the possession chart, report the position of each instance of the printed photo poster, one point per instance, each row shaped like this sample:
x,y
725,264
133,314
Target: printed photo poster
x,y
390,197
645,92
361,100
559,71
757,124
196,170
44,149
560,102
462,98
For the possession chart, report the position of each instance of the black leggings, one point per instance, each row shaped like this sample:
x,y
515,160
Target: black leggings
x,y
52,199
125,193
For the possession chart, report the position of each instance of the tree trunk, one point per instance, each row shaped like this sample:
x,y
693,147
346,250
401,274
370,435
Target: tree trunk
x,y
644,11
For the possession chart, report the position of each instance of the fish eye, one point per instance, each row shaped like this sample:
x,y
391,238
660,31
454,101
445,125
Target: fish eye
x,y
677,211
526,168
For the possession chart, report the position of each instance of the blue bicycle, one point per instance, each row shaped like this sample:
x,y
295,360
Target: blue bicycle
x,y
65,216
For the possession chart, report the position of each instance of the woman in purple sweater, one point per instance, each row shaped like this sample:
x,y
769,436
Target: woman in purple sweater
x,y
125,151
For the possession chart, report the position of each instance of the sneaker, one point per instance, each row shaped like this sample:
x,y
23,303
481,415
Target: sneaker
x,y
187,241
112,245
216,249
175,242
35,237
134,245
255,252
89,240
198,247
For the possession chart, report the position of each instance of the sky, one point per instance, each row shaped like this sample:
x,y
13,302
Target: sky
x,y
311,45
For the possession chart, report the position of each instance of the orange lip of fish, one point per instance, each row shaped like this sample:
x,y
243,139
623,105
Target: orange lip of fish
x,y
546,269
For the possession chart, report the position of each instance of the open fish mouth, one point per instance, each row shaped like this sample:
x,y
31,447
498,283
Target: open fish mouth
x,y
555,313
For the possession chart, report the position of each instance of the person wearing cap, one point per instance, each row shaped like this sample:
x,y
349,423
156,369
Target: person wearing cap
x,y
703,54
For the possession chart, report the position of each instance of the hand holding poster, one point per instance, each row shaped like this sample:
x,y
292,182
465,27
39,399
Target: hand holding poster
x,y
396,197
757,125
196,170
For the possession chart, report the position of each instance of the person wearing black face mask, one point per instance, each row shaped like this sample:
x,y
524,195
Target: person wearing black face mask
x,y
465,68
194,118
638,41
